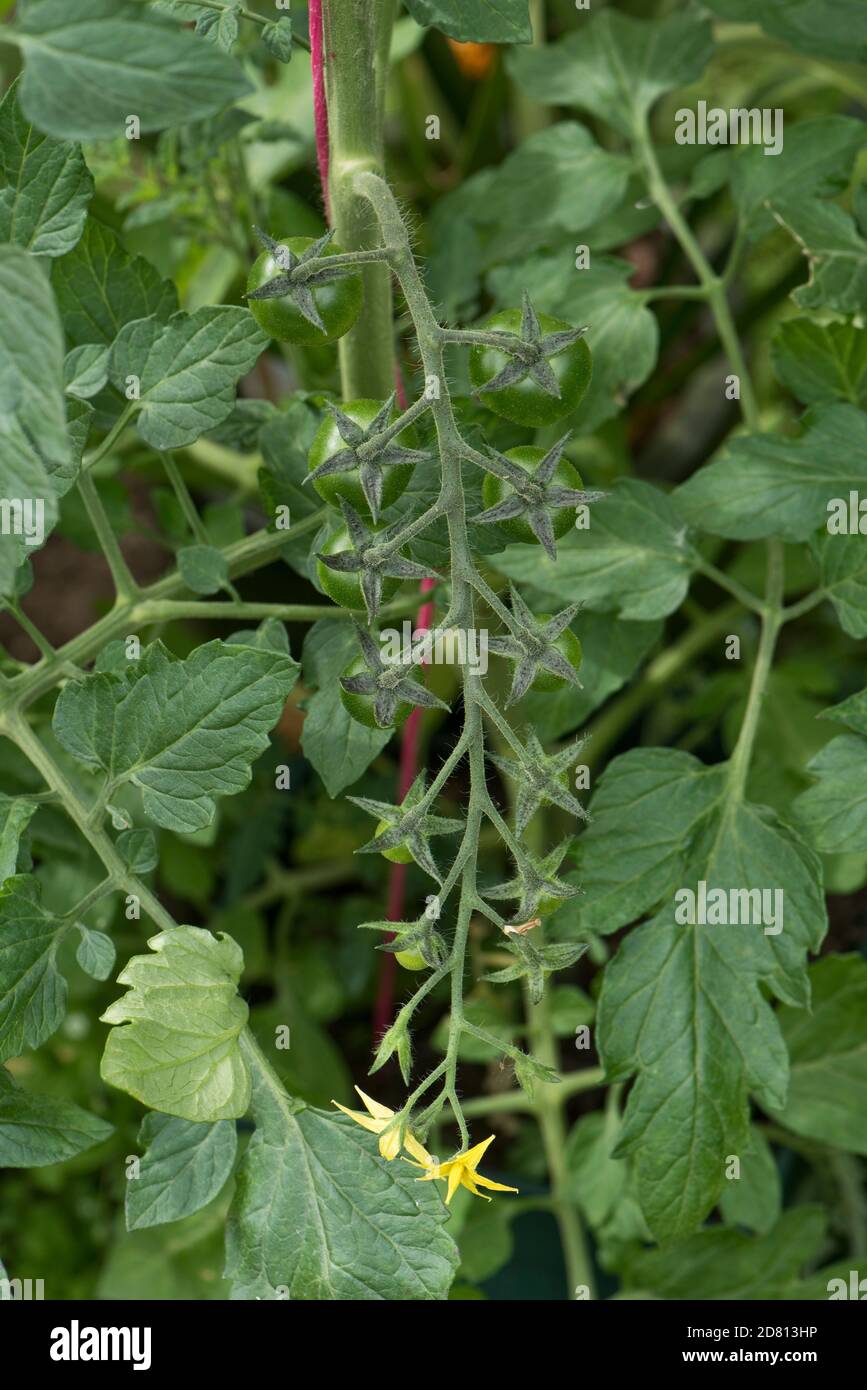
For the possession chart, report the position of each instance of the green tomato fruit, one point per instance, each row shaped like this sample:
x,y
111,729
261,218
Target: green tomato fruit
x,y
411,960
400,854
327,442
338,301
360,707
526,403
528,457
342,587
569,646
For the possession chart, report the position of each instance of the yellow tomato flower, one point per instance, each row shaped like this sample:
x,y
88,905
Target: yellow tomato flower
x,y
460,1171
379,1120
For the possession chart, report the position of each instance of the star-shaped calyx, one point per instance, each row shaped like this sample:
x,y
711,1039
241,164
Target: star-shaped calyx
x,y
294,281
359,559
530,350
531,647
536,880
534,495
541,779
387,683
410,824
369,450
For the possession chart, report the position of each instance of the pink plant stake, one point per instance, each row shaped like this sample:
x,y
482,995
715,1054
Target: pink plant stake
x,y
320,107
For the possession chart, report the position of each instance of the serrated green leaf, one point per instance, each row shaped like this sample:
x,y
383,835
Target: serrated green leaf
x,y
138,849
277,37
821,363
96,953
595,1180
814,162
835,250
45,185
754,1198
99,288
174,1044
336,744
646,812
184,732
724,1264
185,1165
38,1130
317,1214
833,813
38,462
16,814
85,370
828,28
203,568
683,1006
828,1057
219,27
475,21
187,370
614,66
851,712
634,557
90,67
776,485
561,179
269,636
32,989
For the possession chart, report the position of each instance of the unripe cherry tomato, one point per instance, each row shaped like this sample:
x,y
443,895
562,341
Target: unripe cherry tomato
x,y
526,403
528,457
338,301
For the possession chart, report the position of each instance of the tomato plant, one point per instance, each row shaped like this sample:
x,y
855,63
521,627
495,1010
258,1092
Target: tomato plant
x,y
434,587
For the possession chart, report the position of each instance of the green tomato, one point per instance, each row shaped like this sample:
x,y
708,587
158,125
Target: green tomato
x,y
400,854
567,645
360,707
411,960
526,403
345,588
327,442
495,489
338,301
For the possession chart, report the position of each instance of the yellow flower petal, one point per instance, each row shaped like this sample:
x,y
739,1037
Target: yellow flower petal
x,y
375,1126
471,1187
474,1157
418,1151
454,1184
379,1112
495,1186
389,1142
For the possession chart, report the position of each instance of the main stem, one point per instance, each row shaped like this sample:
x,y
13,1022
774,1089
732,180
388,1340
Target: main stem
x,y
357,35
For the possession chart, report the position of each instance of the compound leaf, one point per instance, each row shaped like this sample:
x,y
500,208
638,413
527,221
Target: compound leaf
x,y
174,1044
32,989
186,370
38,1130
45,185
183,731
185,1165
317,1213
92,65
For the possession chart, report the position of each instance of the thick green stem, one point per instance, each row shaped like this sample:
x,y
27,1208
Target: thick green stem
x,y
357,34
